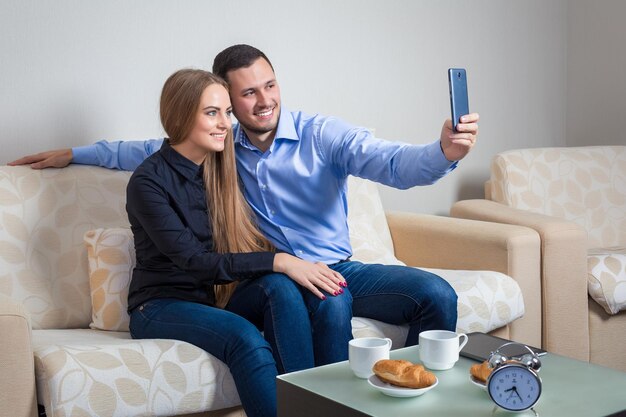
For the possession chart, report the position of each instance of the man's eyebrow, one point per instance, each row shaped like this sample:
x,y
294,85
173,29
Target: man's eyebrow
x,y
245,90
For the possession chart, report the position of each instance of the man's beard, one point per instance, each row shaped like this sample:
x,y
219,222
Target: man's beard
x,y
258,130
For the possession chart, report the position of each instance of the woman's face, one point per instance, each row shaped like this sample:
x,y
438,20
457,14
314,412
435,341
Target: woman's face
x,y
211,125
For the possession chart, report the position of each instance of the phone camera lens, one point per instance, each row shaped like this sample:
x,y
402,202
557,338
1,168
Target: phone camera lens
x,y
458,74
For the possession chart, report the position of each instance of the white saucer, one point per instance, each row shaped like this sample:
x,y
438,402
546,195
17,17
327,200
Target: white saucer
x,y
478,383
394,391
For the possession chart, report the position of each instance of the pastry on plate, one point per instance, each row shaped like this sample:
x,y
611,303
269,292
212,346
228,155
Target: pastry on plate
x,y
403,373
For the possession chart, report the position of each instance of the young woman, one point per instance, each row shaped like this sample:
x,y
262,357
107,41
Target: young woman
x,y
195,240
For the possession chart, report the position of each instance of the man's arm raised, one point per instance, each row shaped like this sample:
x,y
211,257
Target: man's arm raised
x,y
125,155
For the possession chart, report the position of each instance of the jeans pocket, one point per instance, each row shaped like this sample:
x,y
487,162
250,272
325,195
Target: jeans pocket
x,y
151,308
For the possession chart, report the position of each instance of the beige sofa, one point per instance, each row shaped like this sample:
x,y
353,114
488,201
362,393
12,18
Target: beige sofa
x,y
575,198
60,287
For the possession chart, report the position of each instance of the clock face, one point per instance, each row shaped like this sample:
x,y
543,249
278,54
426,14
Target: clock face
x,y
514,387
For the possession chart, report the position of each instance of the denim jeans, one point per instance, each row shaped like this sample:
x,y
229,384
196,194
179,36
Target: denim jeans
x,y
225,335
399,295
291,317
294,319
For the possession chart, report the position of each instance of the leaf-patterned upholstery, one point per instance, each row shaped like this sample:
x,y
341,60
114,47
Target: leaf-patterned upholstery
x,y
585,185
83,370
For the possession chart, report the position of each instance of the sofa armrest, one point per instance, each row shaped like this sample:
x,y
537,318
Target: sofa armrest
x,y
449,243
563,272
18,394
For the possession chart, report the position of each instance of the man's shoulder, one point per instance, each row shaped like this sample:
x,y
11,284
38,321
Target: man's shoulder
x,y
318,125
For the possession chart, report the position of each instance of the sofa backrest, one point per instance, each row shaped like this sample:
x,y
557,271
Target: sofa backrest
x,y
45,214
586,185
43,217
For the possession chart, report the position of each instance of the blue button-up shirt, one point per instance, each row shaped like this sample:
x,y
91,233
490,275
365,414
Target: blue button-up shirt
x,y
297,188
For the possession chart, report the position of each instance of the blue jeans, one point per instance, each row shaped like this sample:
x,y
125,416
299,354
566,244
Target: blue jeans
x,y
294,319
400,295
225,335
291,318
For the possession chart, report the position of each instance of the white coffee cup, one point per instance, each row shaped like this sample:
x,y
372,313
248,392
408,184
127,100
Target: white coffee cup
x,y
364,352
439,349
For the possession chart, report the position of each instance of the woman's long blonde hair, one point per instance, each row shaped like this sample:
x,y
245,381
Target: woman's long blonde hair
x,y
234,229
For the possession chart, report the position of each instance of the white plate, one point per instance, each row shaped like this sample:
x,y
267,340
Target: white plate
x,y
394,391
478,383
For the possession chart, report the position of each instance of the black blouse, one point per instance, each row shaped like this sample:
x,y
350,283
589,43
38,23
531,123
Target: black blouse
x,y
168,213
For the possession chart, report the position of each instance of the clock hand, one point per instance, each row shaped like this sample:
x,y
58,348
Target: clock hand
x,y
517,393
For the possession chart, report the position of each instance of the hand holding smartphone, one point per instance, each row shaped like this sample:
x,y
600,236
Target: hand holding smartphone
x,y
457,84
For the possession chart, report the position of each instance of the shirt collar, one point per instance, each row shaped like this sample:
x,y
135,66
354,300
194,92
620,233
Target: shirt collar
x,y
286,129
182,165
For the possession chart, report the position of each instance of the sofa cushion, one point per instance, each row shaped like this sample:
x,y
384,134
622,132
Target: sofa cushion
x,y
111,258
606,278
369,232
85,372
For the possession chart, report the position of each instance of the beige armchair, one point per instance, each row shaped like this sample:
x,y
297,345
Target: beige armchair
x,y
575,198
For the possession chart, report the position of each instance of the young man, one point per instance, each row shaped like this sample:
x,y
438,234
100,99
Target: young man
x,y
294,167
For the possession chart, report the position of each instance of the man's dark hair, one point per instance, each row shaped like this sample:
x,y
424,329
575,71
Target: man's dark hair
x,y
235,57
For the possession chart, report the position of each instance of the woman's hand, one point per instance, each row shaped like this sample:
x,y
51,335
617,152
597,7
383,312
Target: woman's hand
x,y
312,276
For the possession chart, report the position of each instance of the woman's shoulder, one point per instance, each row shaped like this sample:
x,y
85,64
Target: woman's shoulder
x,y
153,169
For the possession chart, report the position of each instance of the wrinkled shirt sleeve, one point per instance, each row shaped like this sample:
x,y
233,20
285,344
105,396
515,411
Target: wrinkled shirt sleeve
x,y
125,155
355,151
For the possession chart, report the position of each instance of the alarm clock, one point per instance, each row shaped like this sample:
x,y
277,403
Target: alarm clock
x,y
514,384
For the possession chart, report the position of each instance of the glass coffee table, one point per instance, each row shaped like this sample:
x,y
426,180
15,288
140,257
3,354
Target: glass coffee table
x,y
571,388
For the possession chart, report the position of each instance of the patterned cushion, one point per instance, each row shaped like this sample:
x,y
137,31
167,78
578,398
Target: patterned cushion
x,y
586,185
606,279
84,372
487,299
369,233
111,256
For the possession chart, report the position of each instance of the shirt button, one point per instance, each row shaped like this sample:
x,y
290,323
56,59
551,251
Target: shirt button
x,y
273,212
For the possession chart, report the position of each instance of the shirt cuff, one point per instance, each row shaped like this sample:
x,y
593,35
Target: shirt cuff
x,y
438,158
85,155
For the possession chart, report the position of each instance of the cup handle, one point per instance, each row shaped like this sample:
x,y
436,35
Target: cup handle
x,y
388,342
464,342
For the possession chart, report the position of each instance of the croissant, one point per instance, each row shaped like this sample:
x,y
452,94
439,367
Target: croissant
x,y
403,373
481,371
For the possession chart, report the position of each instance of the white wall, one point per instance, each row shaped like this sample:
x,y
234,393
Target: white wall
x,y
76,71
596,64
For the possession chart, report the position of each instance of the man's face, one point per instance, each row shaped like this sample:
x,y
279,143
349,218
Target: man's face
x,y
255,97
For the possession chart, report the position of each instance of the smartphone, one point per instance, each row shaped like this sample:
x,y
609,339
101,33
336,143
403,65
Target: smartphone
x,y
480,345
457,84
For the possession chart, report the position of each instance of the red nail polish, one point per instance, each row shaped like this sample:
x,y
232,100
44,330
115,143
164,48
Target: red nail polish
x,y
336,292
323,297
